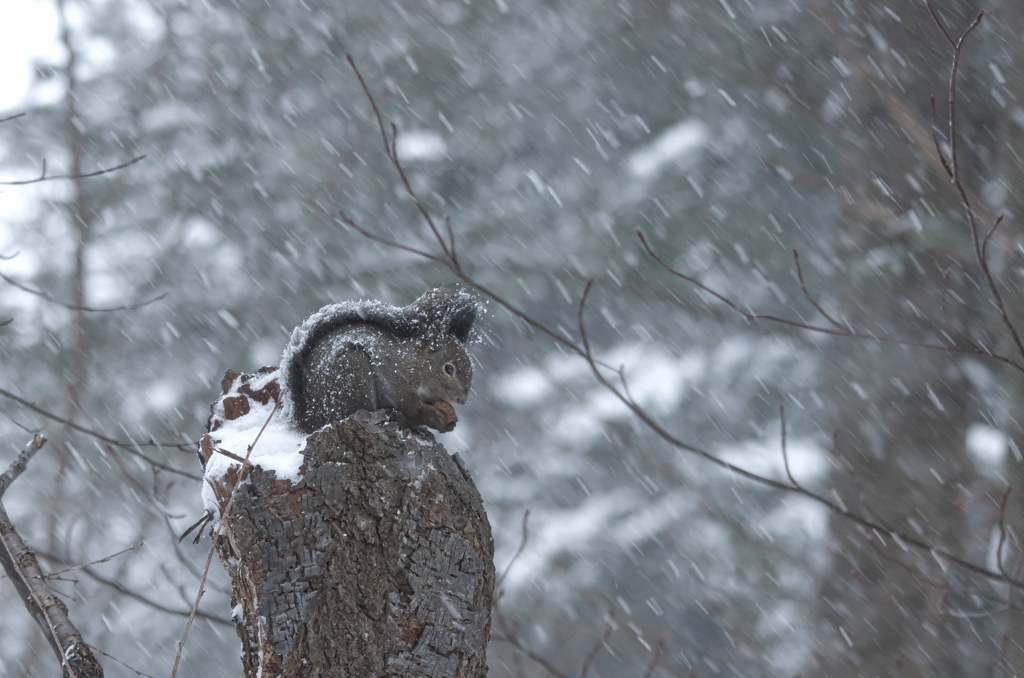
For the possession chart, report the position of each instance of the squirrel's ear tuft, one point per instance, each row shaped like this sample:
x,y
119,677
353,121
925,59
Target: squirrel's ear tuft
x,y
448,310
460,323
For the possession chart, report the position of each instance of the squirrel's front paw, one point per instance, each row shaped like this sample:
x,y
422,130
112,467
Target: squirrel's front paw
x,y
442,416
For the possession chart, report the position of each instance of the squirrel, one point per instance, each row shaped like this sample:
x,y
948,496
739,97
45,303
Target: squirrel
x,y
369,355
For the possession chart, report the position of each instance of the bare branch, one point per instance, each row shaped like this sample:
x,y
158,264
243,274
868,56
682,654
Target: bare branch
x,y
988,236
373,104
43,177
134,595
955,69
128,447
953,169
72,307
391,151
785,454
519,551
938,145
838,330
195,608
584,350
95,562
20,462
807,294
348,221
938,22
12,117
609,627
22,567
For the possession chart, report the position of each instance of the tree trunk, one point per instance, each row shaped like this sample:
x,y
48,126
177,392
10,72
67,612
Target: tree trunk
x,y
378,562
901,413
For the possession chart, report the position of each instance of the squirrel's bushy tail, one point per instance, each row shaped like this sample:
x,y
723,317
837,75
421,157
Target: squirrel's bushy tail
x,y
438,315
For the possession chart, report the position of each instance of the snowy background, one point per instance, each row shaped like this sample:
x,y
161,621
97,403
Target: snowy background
x,y
730,132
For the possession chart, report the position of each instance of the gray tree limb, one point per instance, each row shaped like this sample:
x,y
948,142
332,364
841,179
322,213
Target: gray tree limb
x,y
21,566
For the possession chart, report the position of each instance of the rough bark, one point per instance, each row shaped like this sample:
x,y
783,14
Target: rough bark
x,y
378,562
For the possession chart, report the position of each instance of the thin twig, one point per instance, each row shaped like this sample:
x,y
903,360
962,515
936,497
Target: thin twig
x,y
971,349
451,240
938,145
135,595
213,545
128,447
127,666
803,287
1002,531
95,562
785,454
939,23
954,172
201,523
558,337
519,551
609,628
392,153
954,71
195,609
73,307
43,177
988,236
348,221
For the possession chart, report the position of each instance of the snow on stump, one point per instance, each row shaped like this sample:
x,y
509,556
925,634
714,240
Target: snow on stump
x,y
362,550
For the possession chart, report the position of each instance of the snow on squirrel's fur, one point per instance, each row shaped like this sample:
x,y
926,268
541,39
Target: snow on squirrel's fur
x,y
429,318
279,448
437,316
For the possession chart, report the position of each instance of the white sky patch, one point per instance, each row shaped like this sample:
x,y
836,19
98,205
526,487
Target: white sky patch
x,y
28,33
421,144
988,446
163,395
681,143
523,388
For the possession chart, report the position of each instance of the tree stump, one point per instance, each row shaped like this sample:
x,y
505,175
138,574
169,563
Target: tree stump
x,y
376,561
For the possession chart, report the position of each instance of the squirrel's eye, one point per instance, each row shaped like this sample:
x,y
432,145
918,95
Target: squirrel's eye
x,y
450,369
